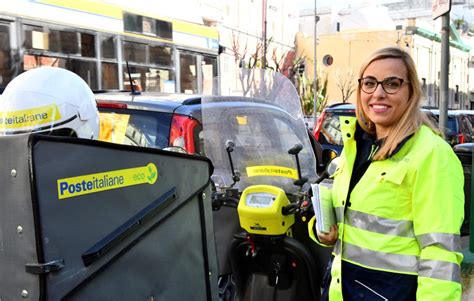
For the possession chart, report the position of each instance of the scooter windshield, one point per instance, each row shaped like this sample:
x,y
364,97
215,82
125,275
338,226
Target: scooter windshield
x,y
260,119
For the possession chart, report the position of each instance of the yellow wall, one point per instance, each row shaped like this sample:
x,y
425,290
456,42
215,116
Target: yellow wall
x,y
349,49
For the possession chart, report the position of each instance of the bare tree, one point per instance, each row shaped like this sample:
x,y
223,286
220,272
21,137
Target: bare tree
x,y
345,82
286,62
239,55
278,60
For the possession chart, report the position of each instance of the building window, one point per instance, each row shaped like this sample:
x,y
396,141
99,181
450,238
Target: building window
x,y
423,86
456,94
328,60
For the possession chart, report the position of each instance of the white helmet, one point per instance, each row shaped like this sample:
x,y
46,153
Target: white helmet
x,y
48,99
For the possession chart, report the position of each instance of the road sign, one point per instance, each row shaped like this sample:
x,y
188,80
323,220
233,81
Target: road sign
x,y
440,7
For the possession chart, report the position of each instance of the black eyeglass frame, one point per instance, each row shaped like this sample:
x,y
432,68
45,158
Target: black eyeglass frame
x,y
402,81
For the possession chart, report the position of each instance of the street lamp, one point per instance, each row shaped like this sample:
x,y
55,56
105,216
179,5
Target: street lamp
x,y
315,73
264,29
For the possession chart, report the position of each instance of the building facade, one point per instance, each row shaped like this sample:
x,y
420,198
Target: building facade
x,y
348,35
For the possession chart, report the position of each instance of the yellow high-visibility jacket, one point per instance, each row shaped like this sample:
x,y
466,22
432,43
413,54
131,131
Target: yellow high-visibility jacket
x,y
404,216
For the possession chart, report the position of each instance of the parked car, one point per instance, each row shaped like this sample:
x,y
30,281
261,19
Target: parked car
x,y
160,121
459,127
470,116
327,130
309,121
464,152
469,113
150,119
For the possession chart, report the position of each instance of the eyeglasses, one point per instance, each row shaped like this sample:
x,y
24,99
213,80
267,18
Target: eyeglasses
x,y
390,85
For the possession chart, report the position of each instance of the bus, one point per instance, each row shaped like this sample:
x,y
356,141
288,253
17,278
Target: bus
x,y
108,45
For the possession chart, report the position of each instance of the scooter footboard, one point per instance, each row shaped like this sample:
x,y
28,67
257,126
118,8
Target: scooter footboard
x,y
273,268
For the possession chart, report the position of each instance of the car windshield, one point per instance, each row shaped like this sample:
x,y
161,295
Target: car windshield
x,y
452,124
331,127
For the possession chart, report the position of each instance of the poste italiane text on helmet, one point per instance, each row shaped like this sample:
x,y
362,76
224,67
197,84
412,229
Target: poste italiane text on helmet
x,y
48,99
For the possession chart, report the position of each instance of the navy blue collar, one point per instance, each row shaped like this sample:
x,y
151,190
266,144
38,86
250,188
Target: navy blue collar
x,y
369,139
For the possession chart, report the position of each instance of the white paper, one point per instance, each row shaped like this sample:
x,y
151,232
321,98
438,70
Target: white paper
x,y
323,209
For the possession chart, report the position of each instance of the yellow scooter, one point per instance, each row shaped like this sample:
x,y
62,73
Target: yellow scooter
x,y
253,141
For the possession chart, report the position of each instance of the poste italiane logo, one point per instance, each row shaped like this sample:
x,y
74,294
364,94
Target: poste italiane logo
x,y
276,171
30,117
92,183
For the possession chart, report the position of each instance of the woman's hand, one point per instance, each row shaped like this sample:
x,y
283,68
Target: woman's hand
x,y
328,238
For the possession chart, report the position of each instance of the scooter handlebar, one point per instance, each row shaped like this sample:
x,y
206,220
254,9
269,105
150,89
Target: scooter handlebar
x,y
289,209
323,177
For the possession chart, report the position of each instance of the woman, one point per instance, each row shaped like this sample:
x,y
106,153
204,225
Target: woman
x,y
398,194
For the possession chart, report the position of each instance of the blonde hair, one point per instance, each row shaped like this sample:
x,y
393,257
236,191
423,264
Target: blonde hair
x,y
411,120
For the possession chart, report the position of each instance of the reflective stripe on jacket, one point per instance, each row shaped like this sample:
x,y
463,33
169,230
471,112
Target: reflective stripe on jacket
x,y
404,214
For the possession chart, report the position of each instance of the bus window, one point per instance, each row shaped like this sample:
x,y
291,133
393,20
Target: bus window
x,y
87,45
65,42
110,76
188,63
134,52
98,51
167,81
5,61
108,48
150,79
85,69
34,38
160,55
41,38
32,61
209,73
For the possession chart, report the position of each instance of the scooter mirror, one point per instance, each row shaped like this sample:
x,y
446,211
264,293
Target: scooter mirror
x,y
332,166
295,149
229,145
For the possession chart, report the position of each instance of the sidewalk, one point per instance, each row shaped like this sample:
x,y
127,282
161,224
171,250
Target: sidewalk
x,y
467,271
